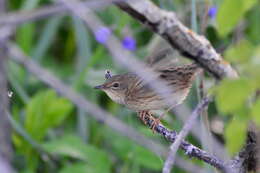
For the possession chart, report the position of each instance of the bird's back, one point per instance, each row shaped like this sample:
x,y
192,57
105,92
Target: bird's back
x,y
140,96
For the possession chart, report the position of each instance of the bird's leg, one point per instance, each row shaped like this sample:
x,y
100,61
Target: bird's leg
x,y
157,121
141,115
146,114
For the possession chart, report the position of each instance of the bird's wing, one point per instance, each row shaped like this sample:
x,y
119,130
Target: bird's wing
x,y
162,58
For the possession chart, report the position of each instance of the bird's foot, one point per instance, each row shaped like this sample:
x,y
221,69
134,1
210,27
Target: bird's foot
x,y
142,116
145,116
155,123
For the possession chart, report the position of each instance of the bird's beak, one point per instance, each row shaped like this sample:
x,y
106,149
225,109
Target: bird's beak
x,y
99,87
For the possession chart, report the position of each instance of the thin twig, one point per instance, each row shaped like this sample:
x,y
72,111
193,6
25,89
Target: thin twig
x,y
182,112
6,151
184,132
38,148
5,167
20,17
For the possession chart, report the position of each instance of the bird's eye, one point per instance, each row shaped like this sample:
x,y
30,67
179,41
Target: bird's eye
x,y
116,85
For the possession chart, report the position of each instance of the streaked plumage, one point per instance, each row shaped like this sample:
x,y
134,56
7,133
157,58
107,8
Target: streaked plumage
x,y
128,89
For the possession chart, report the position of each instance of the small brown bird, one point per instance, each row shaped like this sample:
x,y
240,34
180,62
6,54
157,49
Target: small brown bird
x,y
128,89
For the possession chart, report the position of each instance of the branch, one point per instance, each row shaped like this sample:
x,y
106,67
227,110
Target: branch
x,y
182,112
20,17
188,43
184,132
5,166
160,21
5,128
100,115
189,149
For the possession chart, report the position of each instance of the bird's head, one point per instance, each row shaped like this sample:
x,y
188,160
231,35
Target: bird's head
x,y
115,87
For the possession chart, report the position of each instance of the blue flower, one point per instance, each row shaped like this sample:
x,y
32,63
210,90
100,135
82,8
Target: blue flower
x,y
212,12
102,34
129,43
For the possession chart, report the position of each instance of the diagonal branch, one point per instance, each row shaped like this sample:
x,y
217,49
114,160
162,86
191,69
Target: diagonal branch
x,y
20,17
188,43
183,133
5,128
190,150
162,22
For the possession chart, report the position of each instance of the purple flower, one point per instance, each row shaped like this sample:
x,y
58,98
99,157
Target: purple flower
x,y
129,43
212,12
102,34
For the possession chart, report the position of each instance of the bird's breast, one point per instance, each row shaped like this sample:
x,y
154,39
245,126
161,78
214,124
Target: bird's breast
x,y
116,97
157,103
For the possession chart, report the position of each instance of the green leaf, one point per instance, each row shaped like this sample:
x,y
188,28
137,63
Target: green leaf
x,y
230,12
240,52
25,34
124,148
256,58
72,146
45,110
235,135
46,37
127,149
248,4
77,168
254,25
25,37
147,159
252,67
256,112
232,95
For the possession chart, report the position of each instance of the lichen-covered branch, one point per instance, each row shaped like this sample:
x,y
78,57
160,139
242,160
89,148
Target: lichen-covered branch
x,y
189,149
188,43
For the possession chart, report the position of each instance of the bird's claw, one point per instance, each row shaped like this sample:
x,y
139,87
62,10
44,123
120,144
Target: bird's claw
x,y
155,123
144,115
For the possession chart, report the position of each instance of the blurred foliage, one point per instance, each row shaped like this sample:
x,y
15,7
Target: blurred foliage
x,y
239,98
43,112
68,140
95,159
235,10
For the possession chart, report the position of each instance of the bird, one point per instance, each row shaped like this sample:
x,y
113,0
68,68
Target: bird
x,y
130,90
